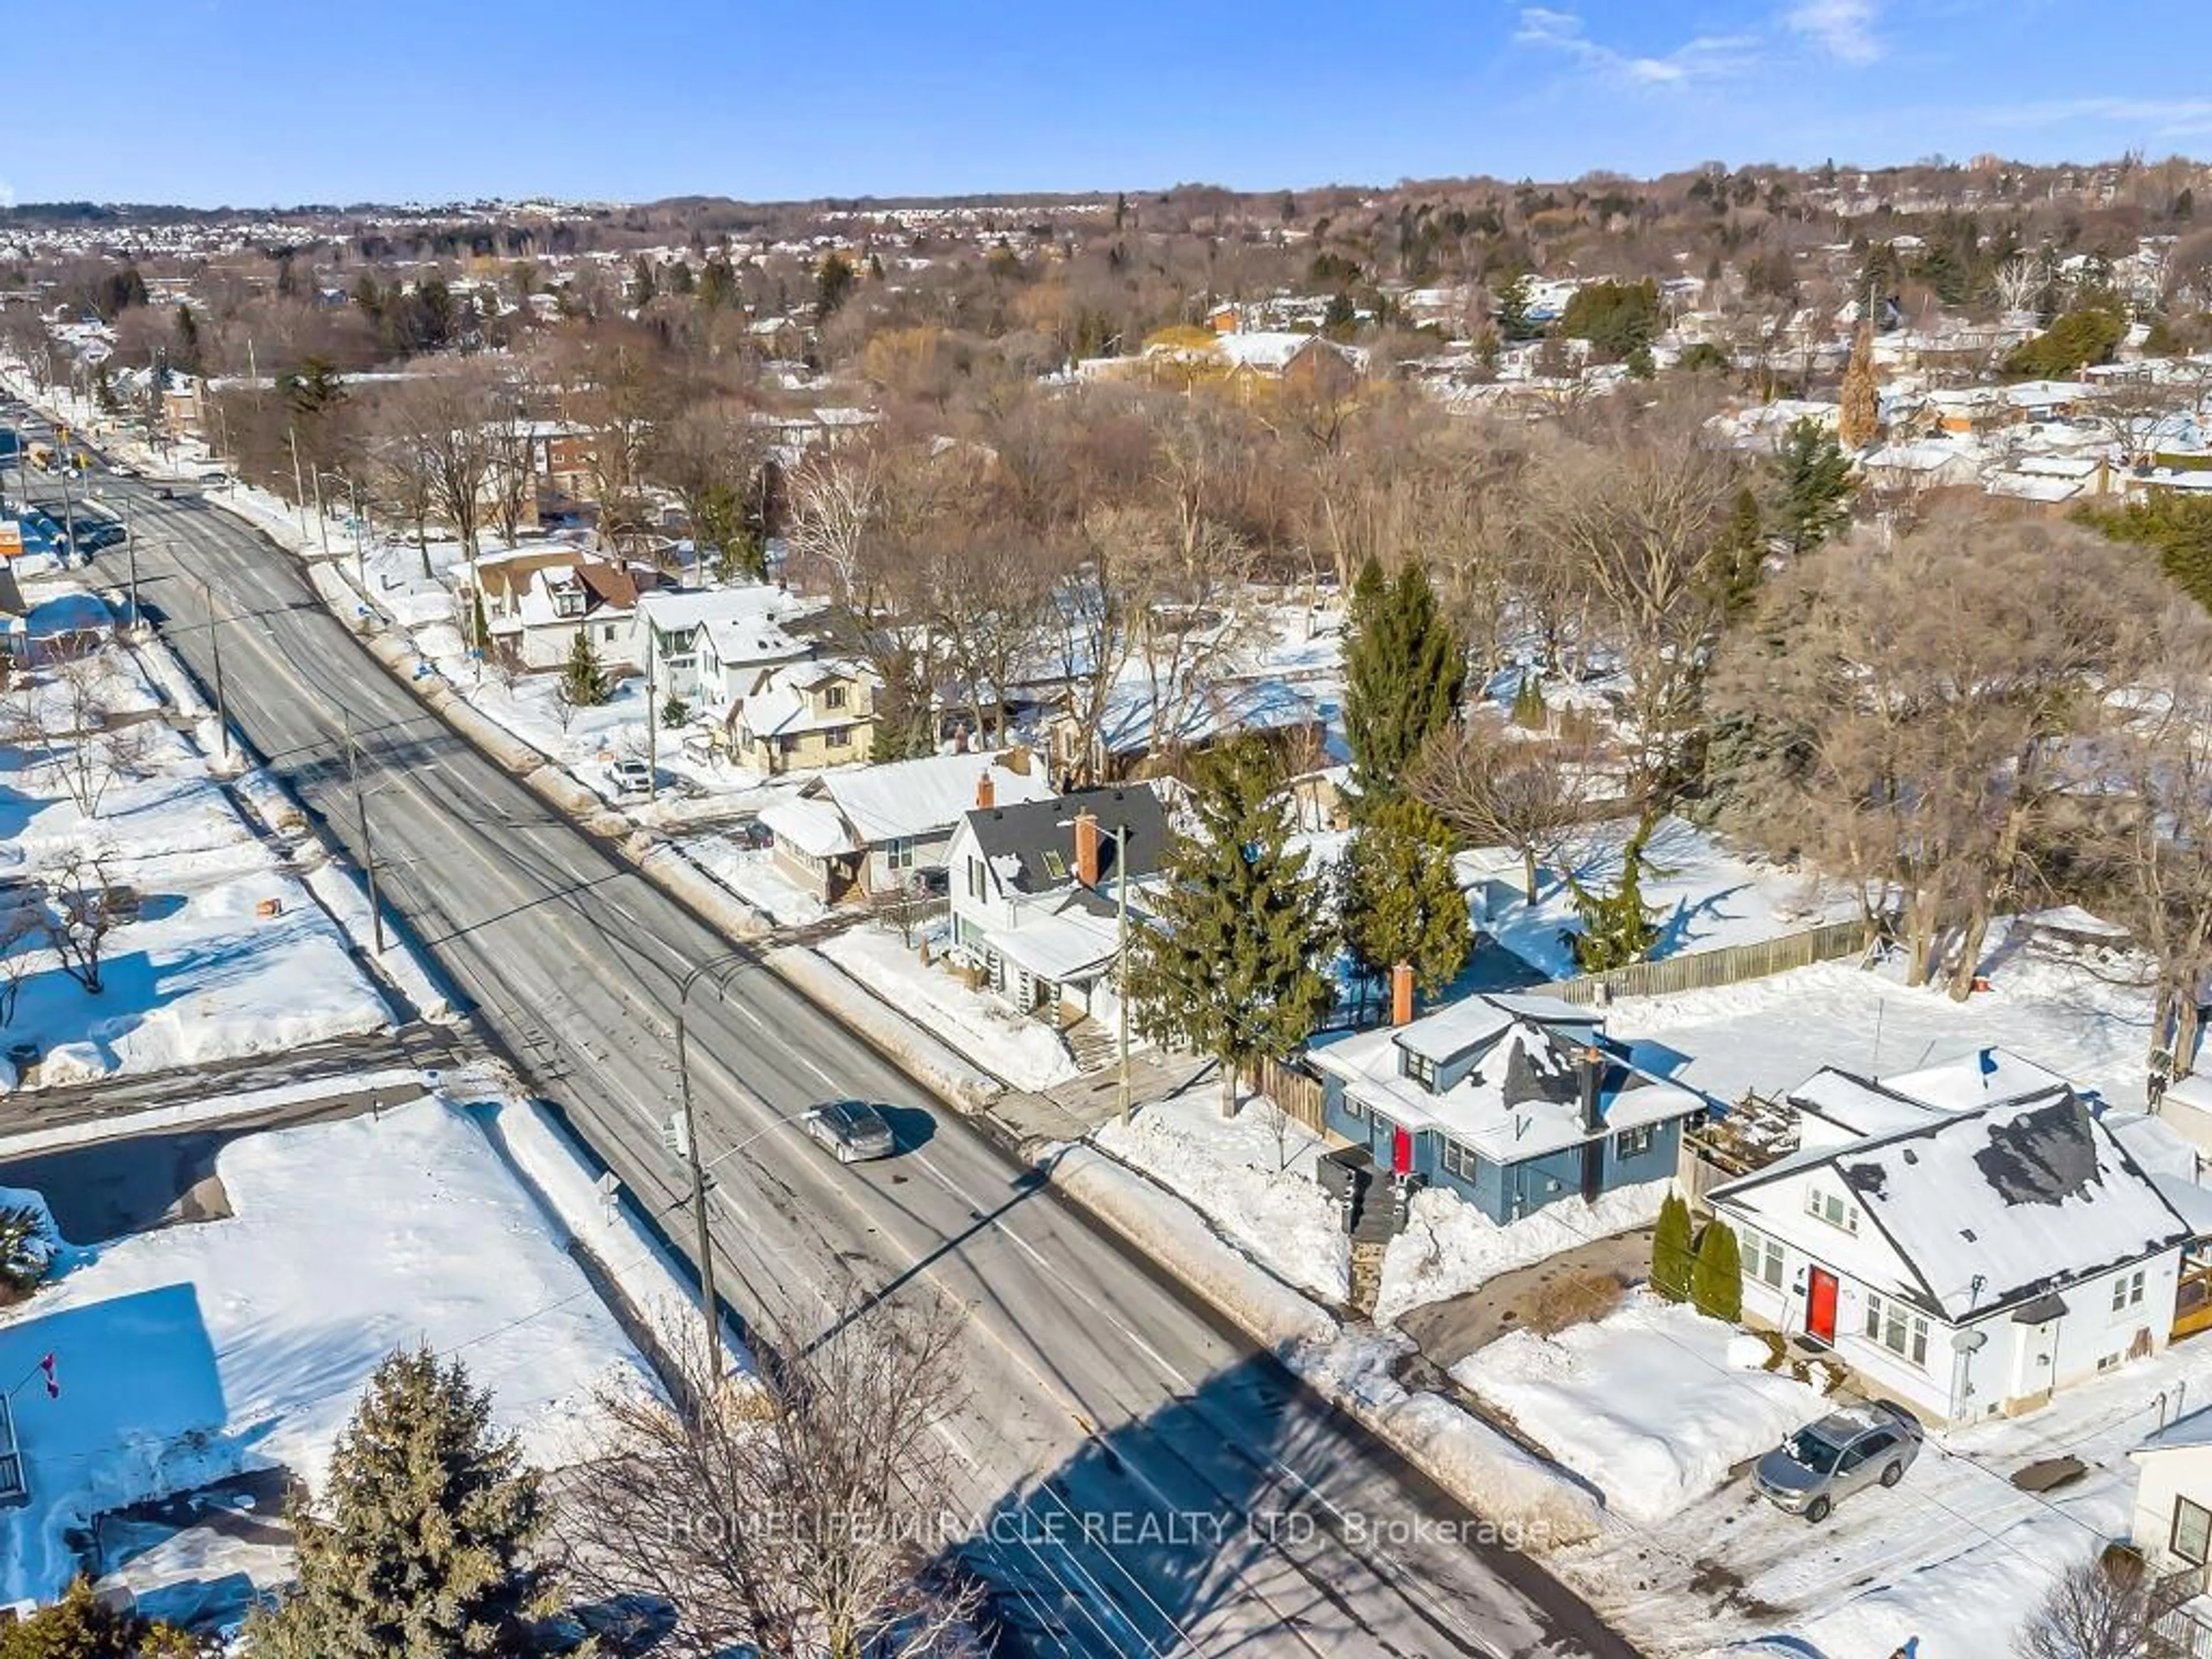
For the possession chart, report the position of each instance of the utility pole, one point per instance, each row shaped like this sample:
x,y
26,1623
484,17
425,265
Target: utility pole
x,y
1121,958
368,847
709,1304
360,539
215,646
321,518
652,723
131,553
299,484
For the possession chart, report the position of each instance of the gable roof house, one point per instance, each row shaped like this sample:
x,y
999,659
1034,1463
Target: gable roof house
x,y
709,646
538,598
1968,1237
1034,886
803,715
1512,1102
874,830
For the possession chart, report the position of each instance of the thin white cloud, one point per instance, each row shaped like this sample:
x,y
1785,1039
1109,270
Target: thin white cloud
x,y
1842,28
1705,57
2166,118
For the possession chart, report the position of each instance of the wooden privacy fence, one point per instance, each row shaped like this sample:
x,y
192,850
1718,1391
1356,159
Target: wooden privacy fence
x,y
1297,1091
1698,971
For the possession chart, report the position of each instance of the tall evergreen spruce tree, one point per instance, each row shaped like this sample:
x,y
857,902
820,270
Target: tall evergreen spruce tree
x,y
1403,673
1739,557
583,681
422,1546
1233,968
1398,900
1813,484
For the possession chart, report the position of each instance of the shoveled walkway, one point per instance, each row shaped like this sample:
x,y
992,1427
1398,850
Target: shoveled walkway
x,y
1069,1111
1562,1290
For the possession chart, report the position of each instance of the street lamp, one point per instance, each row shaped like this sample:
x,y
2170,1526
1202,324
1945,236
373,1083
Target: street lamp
x,y
716,971
360,546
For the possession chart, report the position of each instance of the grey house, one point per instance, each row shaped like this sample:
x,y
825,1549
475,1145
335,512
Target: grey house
x,y
1510,1102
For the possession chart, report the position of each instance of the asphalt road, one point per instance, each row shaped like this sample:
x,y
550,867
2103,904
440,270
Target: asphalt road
x,y
1147,1482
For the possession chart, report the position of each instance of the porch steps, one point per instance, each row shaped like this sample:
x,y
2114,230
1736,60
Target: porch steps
x,y
1094,1045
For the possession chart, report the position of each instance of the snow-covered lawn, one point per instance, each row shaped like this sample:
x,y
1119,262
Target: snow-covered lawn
x,y
1450,1248
1252,1177
1646,1404
229,954
1771,1034
1025,1052
751,873
191,1353
1703,897
1956,1555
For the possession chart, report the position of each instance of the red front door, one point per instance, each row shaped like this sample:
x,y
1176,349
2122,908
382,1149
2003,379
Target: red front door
x,y
1401,1151
1821,1305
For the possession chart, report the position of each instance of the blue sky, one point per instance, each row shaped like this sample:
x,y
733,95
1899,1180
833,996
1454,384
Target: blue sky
x,y
258,102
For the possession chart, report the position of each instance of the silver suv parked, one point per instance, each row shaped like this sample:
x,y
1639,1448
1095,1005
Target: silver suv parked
x,y
1825,1463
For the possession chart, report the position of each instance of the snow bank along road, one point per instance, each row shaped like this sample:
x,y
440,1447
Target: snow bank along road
x,y
1142,1482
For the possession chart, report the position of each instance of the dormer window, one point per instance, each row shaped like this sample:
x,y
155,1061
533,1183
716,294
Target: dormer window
x,y
1417,1068
833,697
568,601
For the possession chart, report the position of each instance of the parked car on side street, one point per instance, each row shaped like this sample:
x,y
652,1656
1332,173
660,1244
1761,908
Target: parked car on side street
x,y
631,773
1825,1463
852,1130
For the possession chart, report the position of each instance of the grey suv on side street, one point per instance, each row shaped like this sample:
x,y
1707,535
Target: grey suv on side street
x,y
1825,1463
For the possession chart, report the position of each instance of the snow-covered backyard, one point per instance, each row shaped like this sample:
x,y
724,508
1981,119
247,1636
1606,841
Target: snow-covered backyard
x,y
193,1351
1702,896
227,954
1025,1052
1771,1034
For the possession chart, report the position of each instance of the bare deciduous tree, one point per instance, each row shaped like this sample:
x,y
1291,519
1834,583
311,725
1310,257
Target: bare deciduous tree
x,y
70,715
78,914
2098,1610
793,1515
1500,792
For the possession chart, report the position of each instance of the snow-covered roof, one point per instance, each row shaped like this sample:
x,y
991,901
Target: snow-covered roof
x,y
779,706
1986,1208
1067,943
1133,719
927,796
1522,1099
678,610
1859,1106
812,826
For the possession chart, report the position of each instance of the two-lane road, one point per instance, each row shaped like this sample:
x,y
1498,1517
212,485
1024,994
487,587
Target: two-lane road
x,y
1144,1480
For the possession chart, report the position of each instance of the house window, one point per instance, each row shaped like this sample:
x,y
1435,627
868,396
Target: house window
x,y
1054,864
1419,1068
975,879
1459,1161
833,697
1351,1110
2192,1531
898,855
1837,1211
1898,1329
1762,1257
838,737
2128,1292
608,633
569,602
1634,1143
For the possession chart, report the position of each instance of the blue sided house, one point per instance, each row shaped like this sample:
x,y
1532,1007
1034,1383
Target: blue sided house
x,y
1509,1100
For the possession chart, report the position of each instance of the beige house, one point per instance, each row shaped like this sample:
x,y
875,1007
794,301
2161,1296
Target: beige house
x,y
803,715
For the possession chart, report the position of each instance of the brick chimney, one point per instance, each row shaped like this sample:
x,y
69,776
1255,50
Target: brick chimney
x,y
1086,849
1402,994
985,792
1590,1069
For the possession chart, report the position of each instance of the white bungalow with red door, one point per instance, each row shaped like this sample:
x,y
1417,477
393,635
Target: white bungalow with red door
x,y
1967,1238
